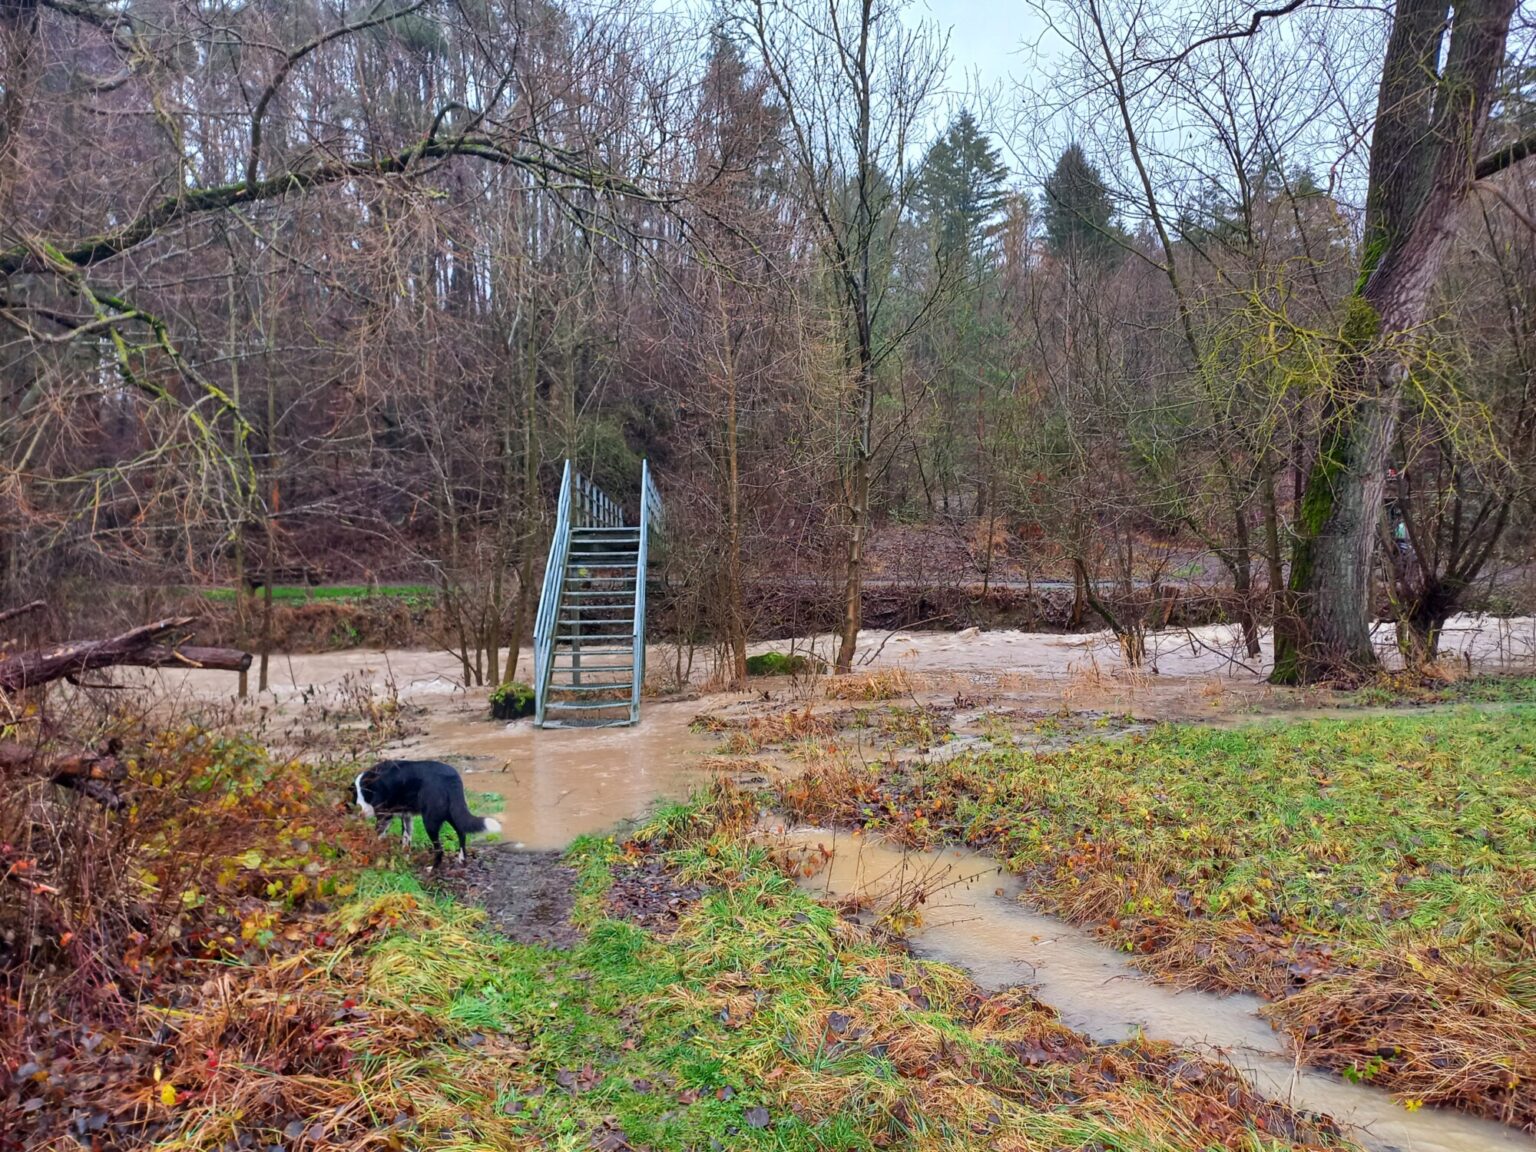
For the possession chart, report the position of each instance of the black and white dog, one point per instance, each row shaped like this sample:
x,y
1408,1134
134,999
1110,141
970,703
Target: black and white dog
x,y
430,788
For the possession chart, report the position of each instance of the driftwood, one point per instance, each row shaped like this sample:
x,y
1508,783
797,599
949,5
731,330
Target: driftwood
x,y
137,648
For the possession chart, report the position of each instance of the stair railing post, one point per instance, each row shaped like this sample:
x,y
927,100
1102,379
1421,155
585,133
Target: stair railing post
x,y
637,640
546,624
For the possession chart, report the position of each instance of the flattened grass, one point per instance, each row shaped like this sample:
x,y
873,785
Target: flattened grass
x,y
1375,875
764,1021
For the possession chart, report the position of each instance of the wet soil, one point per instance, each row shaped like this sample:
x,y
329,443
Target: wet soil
x,y
647,893
528,895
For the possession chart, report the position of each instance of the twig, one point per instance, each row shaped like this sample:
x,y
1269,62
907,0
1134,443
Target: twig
x,y
12,613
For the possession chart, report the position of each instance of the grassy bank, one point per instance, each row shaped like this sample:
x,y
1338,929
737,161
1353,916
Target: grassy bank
x,y
365,1011
763,1021
1374,877
303,593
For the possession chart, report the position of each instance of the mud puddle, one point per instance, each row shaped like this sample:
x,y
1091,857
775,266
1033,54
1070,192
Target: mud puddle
x,y
558,784
970,915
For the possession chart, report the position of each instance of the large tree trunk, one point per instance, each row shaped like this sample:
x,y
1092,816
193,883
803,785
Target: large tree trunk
x,y
1430,124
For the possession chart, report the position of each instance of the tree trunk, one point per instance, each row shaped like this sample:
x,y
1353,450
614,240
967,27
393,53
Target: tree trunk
x,y
858,515
1327,631
138,647
530,532
735,613
1430,124
270,573
242,618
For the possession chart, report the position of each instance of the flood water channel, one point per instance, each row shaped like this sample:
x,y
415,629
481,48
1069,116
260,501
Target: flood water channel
x,y
972,916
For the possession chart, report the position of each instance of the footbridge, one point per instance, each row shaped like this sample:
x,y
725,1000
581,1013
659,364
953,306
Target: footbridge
x,y
589,636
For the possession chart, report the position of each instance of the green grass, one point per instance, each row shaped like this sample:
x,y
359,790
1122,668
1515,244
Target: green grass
x,y
764,1022
1375,830
303,594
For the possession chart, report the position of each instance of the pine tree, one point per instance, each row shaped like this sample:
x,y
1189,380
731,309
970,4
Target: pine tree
x,y
960,186
1078,211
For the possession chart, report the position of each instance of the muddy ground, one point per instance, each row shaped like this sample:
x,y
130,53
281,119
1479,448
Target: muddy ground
x,y
527,895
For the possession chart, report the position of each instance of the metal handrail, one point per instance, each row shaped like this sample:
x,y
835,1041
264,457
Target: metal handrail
x,y
544,626
648,499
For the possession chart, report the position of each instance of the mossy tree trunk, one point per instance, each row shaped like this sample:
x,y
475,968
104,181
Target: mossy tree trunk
x,y
1430,122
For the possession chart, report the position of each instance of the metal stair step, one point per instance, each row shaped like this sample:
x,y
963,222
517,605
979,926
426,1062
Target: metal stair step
x,y
584,705
614,686
586,668
573,563
592,530
630,651
567,636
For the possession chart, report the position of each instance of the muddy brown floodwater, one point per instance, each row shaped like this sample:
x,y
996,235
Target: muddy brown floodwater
x,y
562,783
971,916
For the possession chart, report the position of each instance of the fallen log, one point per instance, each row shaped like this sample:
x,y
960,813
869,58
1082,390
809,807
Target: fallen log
x,y
88,772
137,648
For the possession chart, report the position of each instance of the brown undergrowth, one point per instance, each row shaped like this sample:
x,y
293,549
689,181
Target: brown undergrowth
x,y
115,920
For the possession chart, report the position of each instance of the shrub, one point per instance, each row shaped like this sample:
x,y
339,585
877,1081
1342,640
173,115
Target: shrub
x,y
778,664
511,701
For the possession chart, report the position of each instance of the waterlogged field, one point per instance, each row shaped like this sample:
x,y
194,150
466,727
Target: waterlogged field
x,y
1374,877
296,988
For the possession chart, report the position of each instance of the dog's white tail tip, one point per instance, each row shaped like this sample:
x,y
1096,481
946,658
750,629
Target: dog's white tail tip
x,y
492,825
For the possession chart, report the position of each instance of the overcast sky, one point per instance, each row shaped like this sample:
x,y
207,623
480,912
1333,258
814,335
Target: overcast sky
x,y
991,41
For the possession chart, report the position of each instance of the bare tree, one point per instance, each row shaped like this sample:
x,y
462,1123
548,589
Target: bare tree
x,y
855,85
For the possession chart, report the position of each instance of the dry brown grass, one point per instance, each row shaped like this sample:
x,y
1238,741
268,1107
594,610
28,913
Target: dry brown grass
x,y
1455,1033
881,684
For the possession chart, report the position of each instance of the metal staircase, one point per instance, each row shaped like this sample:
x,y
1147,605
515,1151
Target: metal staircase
x,y
589,637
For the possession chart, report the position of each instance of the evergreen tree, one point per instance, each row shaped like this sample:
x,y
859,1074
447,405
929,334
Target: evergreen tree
x,y
1078,212
960,186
